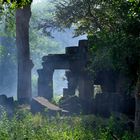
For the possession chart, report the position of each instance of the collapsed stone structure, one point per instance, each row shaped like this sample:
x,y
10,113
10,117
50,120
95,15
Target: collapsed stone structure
x,y
6,104
74,61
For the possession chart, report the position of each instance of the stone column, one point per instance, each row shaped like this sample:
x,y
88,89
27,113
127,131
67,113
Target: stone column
x,y
23,54
85,87
84,83
45,82
72,83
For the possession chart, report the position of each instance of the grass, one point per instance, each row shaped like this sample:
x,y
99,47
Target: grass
x,y
25,126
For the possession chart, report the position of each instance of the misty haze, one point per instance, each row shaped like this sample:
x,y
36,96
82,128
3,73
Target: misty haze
x,y
69,70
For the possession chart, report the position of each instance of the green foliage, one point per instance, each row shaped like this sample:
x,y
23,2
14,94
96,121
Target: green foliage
x,y
91,16
112,28
39,128
1,51
40,41
44,17
16,3
7,21
24,125
7,13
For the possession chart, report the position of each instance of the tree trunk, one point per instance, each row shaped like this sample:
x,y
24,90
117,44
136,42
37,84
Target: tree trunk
x,y
137,108
23,54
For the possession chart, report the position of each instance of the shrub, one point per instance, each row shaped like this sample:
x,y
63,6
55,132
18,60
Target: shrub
x,y
25,126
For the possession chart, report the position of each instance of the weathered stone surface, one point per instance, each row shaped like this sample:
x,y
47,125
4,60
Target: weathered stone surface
x,y
45,84
23,54
40,104
79,78
75,59
106,103
7,104
72,104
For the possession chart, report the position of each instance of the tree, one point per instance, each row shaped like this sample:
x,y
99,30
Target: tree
x,y
113,26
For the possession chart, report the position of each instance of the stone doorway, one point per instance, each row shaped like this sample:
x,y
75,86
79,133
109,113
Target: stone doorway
x,y
59,82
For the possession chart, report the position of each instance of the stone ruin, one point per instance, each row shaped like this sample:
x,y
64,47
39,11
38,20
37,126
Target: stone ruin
x,y
7,104
75,62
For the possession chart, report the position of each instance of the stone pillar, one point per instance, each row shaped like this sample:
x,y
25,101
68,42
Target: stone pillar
x,y
72,83
85,87
23,54
45,82
83,51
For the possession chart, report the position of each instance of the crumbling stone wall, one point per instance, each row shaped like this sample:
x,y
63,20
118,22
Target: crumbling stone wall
x,y
75,59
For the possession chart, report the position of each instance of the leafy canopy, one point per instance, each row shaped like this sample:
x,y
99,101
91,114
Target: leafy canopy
x,y
113,28
16,3
91,16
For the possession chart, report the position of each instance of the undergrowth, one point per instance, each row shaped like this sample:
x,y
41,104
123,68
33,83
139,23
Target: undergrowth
x,y
25,126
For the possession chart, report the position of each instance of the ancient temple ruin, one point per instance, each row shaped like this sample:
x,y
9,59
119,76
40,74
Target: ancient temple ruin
x,y
74,61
